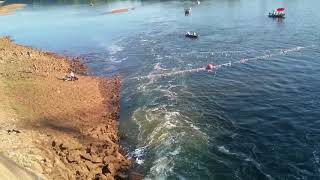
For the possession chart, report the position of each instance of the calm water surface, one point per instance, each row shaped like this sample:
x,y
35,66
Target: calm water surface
x,y
259,119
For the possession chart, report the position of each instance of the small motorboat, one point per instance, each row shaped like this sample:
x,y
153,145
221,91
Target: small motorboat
x,y
187,11
192,35
278,13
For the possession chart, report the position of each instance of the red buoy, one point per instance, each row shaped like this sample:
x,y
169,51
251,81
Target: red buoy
x,y
209,67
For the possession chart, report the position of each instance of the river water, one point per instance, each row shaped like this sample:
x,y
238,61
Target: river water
x,y
256,116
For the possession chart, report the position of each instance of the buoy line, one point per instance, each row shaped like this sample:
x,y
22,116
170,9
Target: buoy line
x,y
213,67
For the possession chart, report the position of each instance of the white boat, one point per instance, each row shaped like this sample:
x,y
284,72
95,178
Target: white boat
x,y
192,35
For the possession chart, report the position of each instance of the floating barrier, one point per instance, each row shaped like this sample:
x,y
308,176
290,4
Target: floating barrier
x,y
211,67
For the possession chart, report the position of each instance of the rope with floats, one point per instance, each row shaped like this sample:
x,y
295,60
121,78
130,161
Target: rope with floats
x,y
212,67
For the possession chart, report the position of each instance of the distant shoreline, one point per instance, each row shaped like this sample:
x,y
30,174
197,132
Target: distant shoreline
x,y
8,9
55,128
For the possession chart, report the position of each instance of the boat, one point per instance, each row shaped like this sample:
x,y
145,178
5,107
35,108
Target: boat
x,y
187,11
192,35
278,13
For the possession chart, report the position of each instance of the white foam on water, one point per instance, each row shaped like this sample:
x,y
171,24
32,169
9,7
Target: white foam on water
x,y
159,115
114,49
152,76
158,123
115,60
164,121
316,156
138,155
157,66
316,159
159,57
161,168
212,52
176,151
194,127
162,139
139,161
244,157
144,87
160,132
135,117
196,130
224,150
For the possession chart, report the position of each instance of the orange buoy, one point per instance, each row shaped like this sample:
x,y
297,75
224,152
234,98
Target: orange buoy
x,y
209,67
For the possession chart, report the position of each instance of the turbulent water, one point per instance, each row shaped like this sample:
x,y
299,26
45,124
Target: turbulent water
x,y
254,116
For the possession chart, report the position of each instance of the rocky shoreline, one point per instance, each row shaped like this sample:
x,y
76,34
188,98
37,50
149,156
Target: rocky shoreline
x,y
58,129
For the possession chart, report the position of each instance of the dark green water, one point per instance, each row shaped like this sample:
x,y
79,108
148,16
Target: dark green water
x,y
255,117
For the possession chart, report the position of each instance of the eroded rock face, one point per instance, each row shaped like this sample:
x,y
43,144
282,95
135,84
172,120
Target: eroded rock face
x,y
71,126
97,155
97,160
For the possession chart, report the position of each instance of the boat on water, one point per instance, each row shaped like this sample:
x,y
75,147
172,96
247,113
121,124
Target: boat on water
x,y
187,11
278,13
192,35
